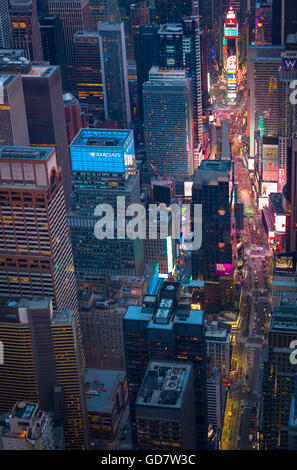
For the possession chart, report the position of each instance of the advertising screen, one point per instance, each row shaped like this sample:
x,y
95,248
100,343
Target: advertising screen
x,y
280,223
223,269
268,188
231,64
188,188
284,263
230,32
251,164
262,202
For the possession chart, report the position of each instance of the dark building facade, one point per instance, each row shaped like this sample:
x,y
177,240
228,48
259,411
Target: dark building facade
x,y
164,330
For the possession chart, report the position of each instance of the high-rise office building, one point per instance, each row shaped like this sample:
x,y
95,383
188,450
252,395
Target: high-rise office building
x,y
35,249
5,26
103,10
103,168
74,16
13,119
287,112
168,122
279,372
114,73
171,11
25,28
218,348
44,108
179,48
165,410
263,64
43,353
284,20
146,55
88,75
52,42
166,330
211,189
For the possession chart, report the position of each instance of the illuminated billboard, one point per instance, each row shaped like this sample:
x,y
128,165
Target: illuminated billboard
x,y
231,32
268,188
223,269
280,223
262,202
188,188
231,18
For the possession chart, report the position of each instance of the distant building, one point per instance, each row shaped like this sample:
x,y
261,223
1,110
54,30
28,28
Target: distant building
x,y
75,117
103,10
218,348
103,168
25,29
164,407
168,122
114,73
166,330
44,354
88,74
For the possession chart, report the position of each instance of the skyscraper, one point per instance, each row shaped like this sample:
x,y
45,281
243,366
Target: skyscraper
x,y
263,63
146,55
13,119
166,330
25,28
5,26
279,372
44,108
44,361
88,75
36,257
165,410
52,42
211,189
168,122
179,48
103,10
114,73
74,16
103,168
287,111
171,11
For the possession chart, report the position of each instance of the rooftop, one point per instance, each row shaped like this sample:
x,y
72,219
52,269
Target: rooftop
x,y
164,384
26,153
101,385
108,138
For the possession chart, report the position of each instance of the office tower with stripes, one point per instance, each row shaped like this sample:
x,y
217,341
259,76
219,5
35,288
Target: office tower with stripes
x,y
25,28
35,247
